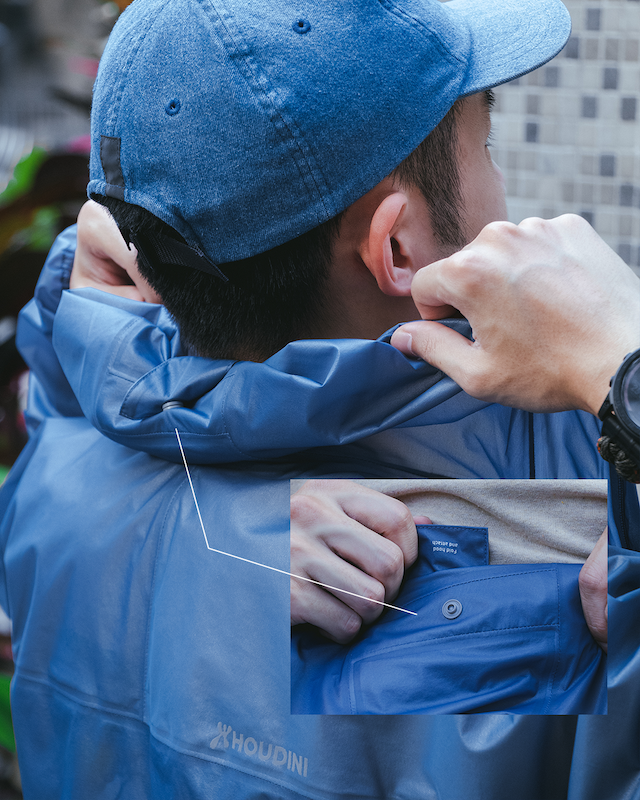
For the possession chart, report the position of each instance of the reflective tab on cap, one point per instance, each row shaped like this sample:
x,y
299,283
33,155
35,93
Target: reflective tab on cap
x,y
110,158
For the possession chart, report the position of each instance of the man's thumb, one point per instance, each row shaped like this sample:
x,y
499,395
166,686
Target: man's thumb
x,y
436,344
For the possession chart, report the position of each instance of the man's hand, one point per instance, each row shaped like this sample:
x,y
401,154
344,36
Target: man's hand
x,y
593,591
552,308
351,537
103,260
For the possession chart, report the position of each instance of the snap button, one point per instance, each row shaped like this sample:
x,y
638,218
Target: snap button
x,y
171,404
452,609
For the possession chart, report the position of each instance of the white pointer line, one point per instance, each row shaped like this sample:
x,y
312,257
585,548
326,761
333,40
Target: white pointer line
x,y
266,566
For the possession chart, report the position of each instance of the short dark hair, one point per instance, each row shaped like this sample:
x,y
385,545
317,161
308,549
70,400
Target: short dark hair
x,y
433,169
273,297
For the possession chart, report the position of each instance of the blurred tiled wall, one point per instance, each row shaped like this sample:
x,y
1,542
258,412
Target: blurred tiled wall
x,y
567,136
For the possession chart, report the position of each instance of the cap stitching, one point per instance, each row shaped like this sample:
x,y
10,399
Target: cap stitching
x,y
539,36
113,116
392,8
136,43
263,90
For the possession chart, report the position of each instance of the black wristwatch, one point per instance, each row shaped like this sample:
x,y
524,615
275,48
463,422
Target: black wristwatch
x,y
620,415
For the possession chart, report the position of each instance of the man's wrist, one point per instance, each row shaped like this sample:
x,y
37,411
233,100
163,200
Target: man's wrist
x,y
597,390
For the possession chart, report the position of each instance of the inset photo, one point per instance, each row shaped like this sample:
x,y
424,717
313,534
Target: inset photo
x,y
448,596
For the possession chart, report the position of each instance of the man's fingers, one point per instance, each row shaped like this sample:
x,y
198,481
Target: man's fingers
x,y
437,312
386,516
319,563
375,556
535,295
103,260
314,605
354,539
352,557
439,346
593,591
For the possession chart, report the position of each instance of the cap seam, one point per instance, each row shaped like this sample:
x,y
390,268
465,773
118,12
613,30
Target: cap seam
x,y
261,87
136,43
392,8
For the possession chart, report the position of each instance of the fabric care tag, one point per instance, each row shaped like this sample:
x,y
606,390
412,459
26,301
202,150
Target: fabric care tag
x,y
451,546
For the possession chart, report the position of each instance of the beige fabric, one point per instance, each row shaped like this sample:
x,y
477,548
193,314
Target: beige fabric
x,y
529,521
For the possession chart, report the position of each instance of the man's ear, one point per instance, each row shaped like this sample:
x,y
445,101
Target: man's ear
x,y
384,253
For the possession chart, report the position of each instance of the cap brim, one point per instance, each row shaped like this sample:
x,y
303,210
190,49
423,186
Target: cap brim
x,y
509,38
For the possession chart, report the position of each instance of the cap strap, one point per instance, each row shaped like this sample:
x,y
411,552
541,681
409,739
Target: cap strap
x,y
160,249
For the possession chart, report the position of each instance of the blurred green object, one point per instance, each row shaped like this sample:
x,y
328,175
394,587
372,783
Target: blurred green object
x,y
23,175
4,471
43,197
6,726
40,235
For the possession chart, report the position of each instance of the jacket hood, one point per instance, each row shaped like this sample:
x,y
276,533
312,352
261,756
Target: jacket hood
x,y
122,364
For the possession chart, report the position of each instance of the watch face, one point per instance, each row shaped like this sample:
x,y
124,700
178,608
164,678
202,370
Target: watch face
x,y
626,400
631,393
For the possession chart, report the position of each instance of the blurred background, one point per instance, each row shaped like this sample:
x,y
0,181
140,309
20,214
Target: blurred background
x,y
49,54
566,136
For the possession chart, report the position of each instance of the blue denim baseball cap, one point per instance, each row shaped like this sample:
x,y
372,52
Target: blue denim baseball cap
x,y
245,123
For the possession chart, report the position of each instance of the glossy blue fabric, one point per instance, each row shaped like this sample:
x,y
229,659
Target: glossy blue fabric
x,y
519,643
150,667
312,396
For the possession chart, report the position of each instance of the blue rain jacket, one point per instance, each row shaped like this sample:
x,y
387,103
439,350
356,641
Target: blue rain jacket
x,y
485,638
150,667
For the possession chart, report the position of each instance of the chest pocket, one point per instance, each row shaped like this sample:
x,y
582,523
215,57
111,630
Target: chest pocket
x,y
508,638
